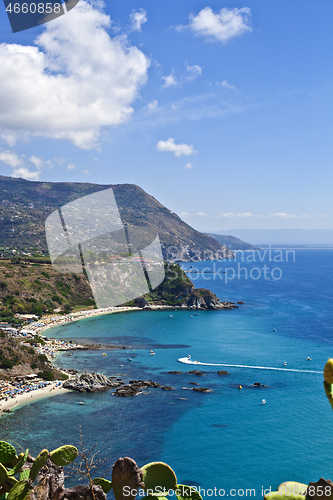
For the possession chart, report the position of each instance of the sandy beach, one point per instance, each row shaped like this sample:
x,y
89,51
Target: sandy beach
x,y
29,397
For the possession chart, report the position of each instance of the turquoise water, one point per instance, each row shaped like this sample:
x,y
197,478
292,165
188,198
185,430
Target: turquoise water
x,y
224,439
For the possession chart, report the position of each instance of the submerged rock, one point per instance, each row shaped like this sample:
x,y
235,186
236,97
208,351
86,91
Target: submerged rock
x,y
222,372
202,389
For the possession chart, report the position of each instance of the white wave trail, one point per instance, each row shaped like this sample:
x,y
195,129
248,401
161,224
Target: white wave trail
x,y
190,362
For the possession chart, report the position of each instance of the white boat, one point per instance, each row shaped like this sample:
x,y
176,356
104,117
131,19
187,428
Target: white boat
x,y
308,359
285,363
171,316
263,401
81,403
189,356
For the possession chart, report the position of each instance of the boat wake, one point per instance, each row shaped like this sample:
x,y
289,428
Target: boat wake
x,y
188,361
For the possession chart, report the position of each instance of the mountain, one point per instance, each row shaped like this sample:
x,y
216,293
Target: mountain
x,y
232,242
25,205
284,237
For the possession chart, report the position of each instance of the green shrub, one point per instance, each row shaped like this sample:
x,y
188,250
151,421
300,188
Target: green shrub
x,y
34,365
46,375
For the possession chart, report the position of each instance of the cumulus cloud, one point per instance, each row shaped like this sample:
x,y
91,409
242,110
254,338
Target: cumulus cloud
x,y
138,19
71,166
76,80
10,159
283,215
177,149
86,172
20,167
220,26
188,166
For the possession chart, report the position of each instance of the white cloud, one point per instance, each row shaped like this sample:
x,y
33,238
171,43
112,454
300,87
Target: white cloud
x,y
202,214
37,161
177,149
25,173
283,215
221,26
71,166
170,80
138,19
188,166
225,84
10,159
76,80
86,172
191,73
20,169
152,105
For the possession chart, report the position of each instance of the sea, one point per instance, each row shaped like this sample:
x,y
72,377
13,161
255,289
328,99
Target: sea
x,y
225,442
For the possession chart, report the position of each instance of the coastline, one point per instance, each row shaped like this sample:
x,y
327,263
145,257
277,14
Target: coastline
x,y
48,322
26,398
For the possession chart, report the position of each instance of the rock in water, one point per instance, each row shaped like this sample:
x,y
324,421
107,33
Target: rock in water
x,y
91,382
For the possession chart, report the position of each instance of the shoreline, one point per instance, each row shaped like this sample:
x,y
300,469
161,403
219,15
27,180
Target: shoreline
x,y
26,398
48,322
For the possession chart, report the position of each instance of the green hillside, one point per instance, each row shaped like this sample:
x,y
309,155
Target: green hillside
x,y
25,205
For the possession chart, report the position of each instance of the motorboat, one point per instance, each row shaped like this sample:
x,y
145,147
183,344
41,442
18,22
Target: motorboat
x,y
104,354
81,403
189,356
263,401
285,363
308,359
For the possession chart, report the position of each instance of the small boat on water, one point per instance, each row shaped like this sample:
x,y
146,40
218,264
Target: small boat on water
x,y
274,330
104,354
152,353
285,363
129,359
81,403
189,356
263,401
171,316
308,359
240,387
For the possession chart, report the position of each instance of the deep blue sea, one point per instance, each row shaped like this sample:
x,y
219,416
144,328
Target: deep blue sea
x,y
225,439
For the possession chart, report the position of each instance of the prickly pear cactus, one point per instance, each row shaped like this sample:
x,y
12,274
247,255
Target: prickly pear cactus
x,y
39,462
328,371
103,483
24,474
158,478
184,492
20,491
9,483
3,474
126,479
7,452
288,490
64,455
328,382
22,459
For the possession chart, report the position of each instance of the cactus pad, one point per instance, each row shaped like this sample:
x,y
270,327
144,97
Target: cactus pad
x,y
288,490
3,474
22,459
64,455
24,474
184,492
7,452
20,491
38,464
103,483
158,478
328,371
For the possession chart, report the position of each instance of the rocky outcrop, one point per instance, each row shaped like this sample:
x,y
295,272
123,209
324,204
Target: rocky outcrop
x,y
196,372
91,382
222,372
205,299
135,387
202,389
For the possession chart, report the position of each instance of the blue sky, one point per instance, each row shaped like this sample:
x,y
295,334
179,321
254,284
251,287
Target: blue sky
x,y
220,110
